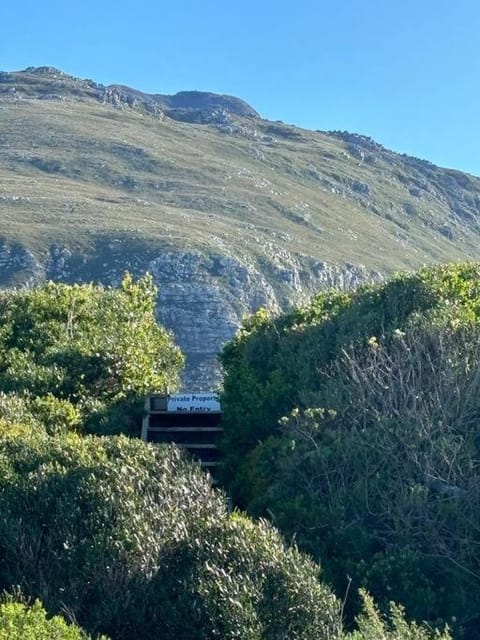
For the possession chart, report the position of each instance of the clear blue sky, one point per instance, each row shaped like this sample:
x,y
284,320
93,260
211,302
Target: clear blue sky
x,y
405,72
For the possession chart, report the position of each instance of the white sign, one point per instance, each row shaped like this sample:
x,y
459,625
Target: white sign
x,y
194,402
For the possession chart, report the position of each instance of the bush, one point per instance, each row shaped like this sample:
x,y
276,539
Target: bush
x,y
372,625
74,354
21,622
132,541
236,579
374,470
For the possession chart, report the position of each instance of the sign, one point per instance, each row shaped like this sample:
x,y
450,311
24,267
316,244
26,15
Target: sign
x,y
194,402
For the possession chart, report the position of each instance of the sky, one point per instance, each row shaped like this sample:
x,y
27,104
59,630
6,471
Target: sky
x,y
404,72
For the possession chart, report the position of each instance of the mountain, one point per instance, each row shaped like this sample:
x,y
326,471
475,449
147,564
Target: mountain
x,y
227,210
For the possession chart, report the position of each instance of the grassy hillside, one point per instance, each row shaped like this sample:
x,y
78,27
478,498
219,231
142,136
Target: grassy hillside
x,y
79,161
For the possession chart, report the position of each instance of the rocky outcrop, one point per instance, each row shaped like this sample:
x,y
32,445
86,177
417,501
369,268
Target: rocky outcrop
x,y
206,101
49,83
19,266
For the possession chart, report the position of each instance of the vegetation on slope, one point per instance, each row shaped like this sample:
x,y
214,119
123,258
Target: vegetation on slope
x,y
353,424
128,538
373,625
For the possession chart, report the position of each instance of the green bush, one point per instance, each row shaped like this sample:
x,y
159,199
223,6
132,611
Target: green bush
x,y
21,622
131,539
372,625
75,354
384,488
374,470
275,364
236,579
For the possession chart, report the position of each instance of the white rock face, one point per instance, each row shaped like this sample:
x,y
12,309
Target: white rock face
x,y
202,297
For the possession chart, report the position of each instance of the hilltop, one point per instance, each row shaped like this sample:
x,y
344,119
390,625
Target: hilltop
x,y
227,210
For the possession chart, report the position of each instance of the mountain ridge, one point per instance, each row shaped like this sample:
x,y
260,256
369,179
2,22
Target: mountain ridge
x,y
36,82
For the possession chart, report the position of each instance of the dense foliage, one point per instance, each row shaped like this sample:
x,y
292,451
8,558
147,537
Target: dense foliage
x,y
131,540
374,466
123,537
372,625
21,622
80,355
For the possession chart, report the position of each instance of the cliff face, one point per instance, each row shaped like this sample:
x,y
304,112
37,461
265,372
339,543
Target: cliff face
x,y
202,297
